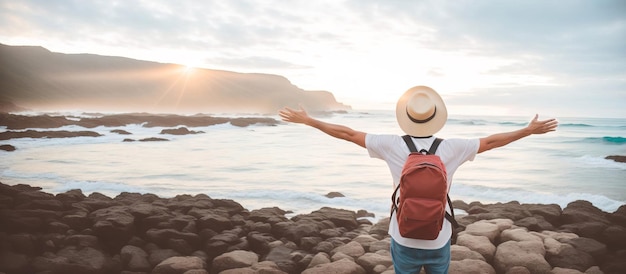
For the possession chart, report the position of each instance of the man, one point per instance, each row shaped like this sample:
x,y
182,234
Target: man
x,y
420,113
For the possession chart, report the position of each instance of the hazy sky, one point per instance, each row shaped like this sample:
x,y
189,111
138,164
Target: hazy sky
x,y
556,58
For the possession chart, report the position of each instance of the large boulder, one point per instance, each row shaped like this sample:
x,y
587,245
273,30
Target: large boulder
x,y
529,254
488,228
135,259
511,210
469,266
460,253
582,212
352,249
550,212
343,266
113,225
370,260
480,244
71,260
234,259
572,258
180,265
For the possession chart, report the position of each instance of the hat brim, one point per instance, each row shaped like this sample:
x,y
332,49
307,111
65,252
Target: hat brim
x,y
421,129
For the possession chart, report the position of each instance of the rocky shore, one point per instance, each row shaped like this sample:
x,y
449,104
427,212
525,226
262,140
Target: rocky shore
x,y
143,233
16,125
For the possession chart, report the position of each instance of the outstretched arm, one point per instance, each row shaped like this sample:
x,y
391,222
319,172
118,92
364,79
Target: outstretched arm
x,y
338,131
501,139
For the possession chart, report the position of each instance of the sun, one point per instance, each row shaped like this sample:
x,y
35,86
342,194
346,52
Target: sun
x,y
188,68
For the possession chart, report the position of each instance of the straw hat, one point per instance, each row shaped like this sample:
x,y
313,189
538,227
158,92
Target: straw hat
x,y
421,112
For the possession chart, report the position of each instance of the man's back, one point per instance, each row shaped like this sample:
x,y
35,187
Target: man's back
x,y
393,150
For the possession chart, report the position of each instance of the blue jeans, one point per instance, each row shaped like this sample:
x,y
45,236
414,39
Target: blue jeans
x,y
408,260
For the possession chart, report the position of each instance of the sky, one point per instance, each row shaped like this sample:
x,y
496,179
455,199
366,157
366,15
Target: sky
x,y
555,58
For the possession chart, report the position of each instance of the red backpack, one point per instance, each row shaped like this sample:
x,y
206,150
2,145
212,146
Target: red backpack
x,y
421,205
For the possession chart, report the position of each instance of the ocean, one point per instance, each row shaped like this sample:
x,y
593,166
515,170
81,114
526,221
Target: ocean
x,y
293,166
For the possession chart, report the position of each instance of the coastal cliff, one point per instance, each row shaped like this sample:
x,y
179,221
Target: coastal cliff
x,y
36,78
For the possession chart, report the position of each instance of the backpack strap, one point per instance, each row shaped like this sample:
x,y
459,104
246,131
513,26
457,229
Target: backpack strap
x,y
409,142
431,151
449,217
394,201
434,146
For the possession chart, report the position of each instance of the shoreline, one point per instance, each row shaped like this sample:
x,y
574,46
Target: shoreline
x,y
143,233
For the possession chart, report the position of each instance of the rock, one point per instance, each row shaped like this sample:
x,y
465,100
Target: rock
x,y
535,223
71,196
458,204
114,225
121,132
180,131
483,228
162,236
352,249
558,270
27,220
370,260
82,241
572,258
526,253
260,242
158,255
583,212
334,195
13,121
234,259
365,240
384,245
459,253
364,214
594,248
282,256
135,259
73,260
7,147
549,212
594,270
11,262
381,228
518,235
553,247
343,266
616,158
319,258
518,270
615,236
214,219
271,215
480,244
71,233
7,135
587,229
619,216
267,267
511,210
469,266
176,265
152,139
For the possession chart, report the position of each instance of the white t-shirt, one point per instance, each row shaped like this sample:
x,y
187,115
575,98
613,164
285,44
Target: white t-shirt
x,y
393,149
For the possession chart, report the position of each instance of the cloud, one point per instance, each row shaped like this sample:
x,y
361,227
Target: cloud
x,y
580,100
254,62
354,48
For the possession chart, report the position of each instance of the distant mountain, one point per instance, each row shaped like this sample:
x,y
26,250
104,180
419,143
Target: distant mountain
x,y
35,78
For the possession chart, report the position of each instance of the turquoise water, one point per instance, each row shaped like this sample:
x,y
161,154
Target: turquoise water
x,y
293,166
